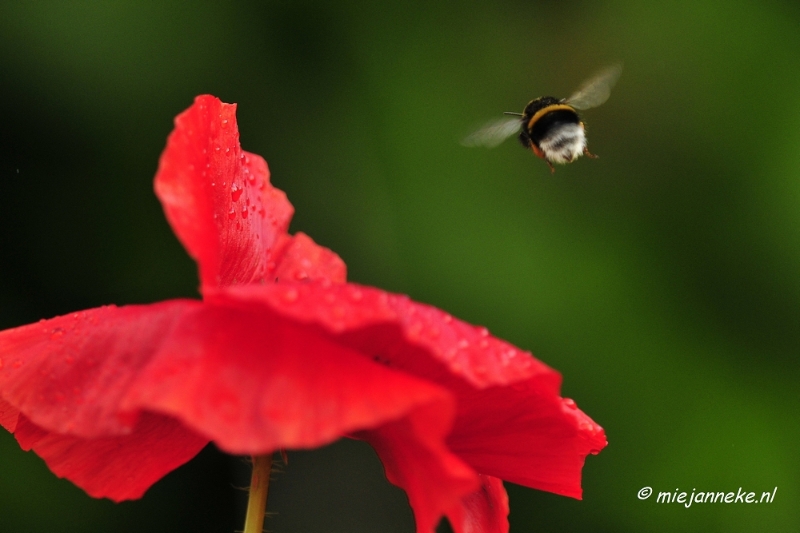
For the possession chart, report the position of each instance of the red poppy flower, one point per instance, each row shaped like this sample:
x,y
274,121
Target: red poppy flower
x,y
283,353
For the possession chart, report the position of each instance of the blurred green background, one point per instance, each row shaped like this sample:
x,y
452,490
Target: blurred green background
x,y
661,279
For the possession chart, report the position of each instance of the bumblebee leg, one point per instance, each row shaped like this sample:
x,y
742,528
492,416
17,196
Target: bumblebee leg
x,y
587,153
538,152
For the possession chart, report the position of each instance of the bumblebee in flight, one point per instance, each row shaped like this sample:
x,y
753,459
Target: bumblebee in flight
x,y
550,127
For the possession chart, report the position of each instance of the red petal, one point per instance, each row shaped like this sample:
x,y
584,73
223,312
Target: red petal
x,y
420,339
68,374
526,435
120,468
512,422
218,198
255,382
304,260
416,460
250,380
482,511
8,416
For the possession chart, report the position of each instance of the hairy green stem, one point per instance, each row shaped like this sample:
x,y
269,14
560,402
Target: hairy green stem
x,y
259,486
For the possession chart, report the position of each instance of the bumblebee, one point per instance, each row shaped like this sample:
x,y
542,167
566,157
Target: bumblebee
x,y
549,127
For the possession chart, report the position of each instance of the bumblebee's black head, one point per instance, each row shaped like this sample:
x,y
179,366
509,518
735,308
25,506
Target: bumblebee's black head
x,y
535,105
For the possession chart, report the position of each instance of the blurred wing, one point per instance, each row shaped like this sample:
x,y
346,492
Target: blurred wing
x,y
596,90
493,133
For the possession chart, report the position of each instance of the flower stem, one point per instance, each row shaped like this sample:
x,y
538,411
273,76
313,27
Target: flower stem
x,y
259,486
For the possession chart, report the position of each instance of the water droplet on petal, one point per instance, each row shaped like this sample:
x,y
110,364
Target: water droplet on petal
x,y
236,192
463,344
244,212
232,213
569,402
